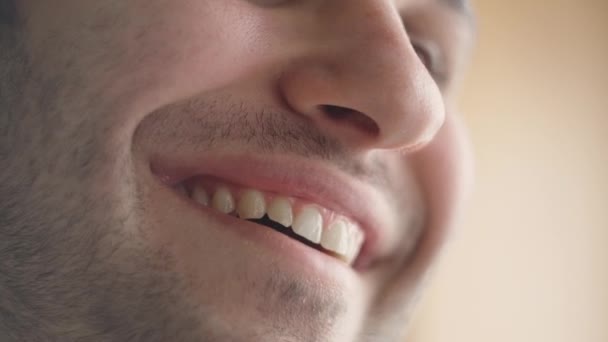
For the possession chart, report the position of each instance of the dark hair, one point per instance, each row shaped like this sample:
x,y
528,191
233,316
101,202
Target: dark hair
x,y
8,13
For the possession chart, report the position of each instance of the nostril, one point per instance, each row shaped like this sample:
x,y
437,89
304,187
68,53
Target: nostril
x,y
356,119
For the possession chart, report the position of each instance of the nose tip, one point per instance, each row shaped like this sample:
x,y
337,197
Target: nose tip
x,y
369,89
402,110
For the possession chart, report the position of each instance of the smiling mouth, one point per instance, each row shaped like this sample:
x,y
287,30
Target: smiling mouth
x,y
309,223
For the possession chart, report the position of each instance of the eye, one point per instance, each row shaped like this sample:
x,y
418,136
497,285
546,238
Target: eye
x,y
430,56
425,56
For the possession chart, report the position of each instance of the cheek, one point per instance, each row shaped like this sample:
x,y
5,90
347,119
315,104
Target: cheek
x,y
180,49
445,172
127,59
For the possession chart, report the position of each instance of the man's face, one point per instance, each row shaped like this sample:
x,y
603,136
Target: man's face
x,y
227,170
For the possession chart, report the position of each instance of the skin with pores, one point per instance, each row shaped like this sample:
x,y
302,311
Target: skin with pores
x,y
97,97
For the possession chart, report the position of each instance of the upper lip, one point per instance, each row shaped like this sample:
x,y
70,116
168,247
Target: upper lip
x,y
303,178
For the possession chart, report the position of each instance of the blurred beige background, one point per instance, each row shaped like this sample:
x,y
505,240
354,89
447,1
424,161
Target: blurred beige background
x,y
531,260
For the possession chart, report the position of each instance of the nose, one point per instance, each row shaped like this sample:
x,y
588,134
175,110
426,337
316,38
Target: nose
x,y
360,80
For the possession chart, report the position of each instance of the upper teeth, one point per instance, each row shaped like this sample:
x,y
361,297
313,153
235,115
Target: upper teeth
x,y
309,224
222,200
251,205
280,211
333,232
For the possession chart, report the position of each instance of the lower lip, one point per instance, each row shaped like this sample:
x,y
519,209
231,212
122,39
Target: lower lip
x,y
298,256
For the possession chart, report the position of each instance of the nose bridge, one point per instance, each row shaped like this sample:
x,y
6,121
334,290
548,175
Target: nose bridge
x,y
371,23
365,63
368,35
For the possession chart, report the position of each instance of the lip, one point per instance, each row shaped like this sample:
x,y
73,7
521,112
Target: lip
x,y
305,179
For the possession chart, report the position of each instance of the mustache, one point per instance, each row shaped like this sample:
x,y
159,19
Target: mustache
x,y
201,124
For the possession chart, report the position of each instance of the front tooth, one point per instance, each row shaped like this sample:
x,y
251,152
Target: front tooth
x,y
199,195
280,211
223,200
251,205
308,224
336,238
355,238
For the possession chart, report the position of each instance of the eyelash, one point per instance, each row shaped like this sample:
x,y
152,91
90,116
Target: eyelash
x,y
423,55
429,60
